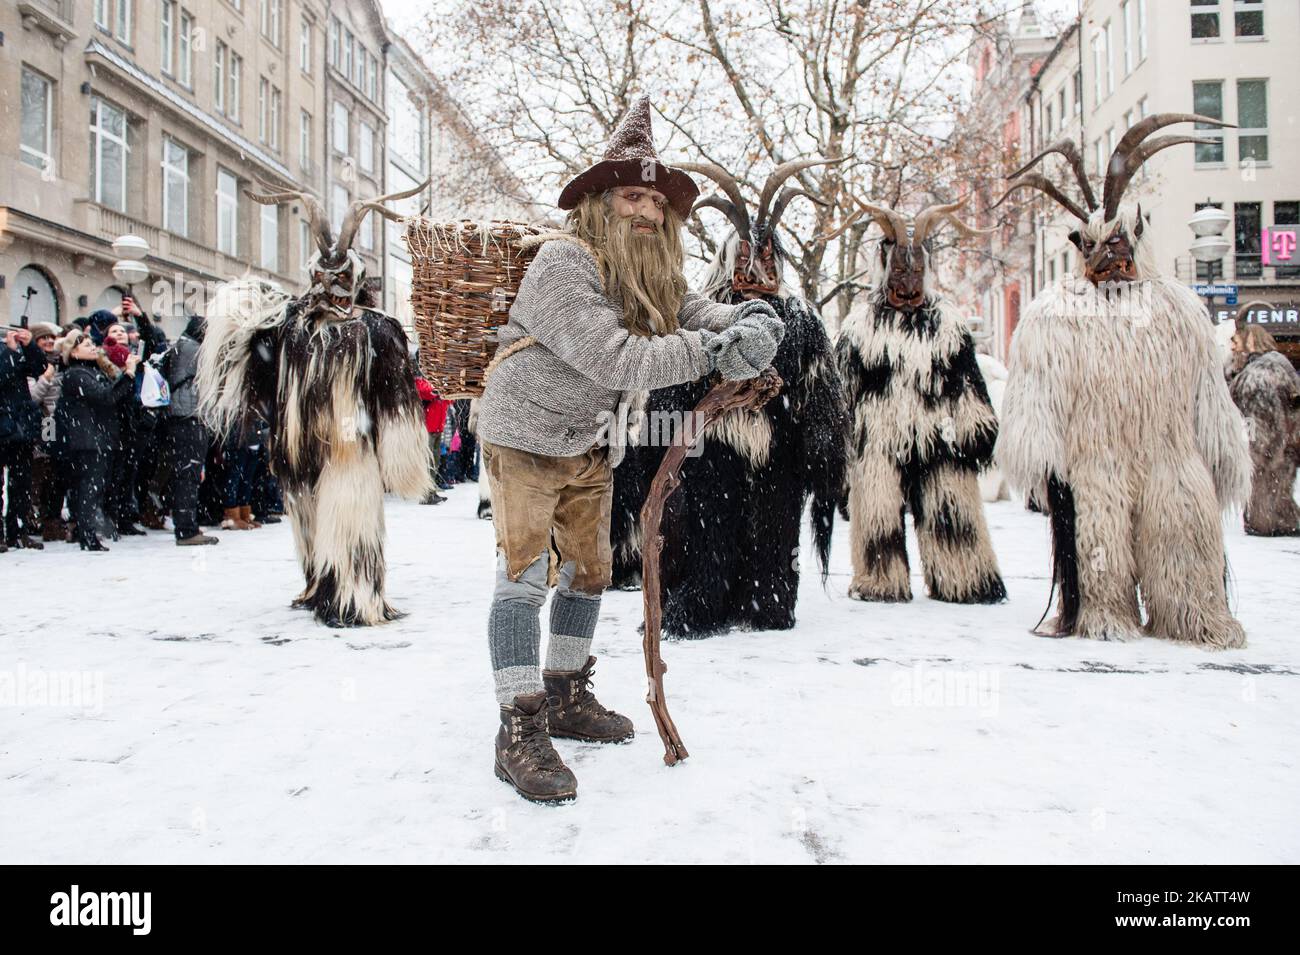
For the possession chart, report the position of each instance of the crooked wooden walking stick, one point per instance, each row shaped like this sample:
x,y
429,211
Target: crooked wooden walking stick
x,y
727,396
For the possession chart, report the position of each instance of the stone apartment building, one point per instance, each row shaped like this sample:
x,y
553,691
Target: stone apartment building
x,y
1229,59
152,118
1124,59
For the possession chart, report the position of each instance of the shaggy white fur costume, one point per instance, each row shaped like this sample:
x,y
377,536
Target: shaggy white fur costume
x,y
1117,418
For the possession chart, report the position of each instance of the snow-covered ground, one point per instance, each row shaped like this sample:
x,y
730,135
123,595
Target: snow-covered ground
x,y
214,724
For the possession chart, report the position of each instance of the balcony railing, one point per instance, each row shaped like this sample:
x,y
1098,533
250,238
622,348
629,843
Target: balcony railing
x,y
1236,269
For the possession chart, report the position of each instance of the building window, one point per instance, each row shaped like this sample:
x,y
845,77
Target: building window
x,y
227,212
304,46
276,109
349,54
338,203
219,77
263,105
176,187
236,81
123,31
1205,19
304,139
1047,119
366,147
1078,92
1128,120
1110,59
1207,100
1142,29
38,121
1248,18
367,233
1098,68
335,31
1099,156
1060,106
1252,120
1246,225
271,21
166,33
339,132
270,238
372,80
103,15
186,58
306,250
108,154
1287,213
1128,14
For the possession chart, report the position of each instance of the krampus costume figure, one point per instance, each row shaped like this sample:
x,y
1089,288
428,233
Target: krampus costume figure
x,y
1266,389
332,375
922,426
732,532
1117,421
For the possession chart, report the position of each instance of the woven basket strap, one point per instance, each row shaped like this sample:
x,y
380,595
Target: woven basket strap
x,y
504,353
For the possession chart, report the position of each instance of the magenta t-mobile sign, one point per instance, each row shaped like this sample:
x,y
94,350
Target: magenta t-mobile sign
x,y
1278,242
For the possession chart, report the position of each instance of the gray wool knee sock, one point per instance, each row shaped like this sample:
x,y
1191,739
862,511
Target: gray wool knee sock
x,y
515,631
573,622
514,636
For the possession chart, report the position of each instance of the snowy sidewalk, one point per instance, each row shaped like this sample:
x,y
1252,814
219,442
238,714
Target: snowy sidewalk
x,y
217,725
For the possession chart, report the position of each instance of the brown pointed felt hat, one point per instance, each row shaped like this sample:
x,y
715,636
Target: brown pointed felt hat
x,y
631,160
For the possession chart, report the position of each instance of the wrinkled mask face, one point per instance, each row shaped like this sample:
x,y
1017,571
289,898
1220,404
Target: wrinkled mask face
x,y
337,286
905,280
756,272
1112,260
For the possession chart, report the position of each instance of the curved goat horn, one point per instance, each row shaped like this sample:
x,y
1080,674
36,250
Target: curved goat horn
x,y
890,222
317,220
779,175
357,213
728,209
1035,180
1070,150
1124,160
788,195
729,185
930,216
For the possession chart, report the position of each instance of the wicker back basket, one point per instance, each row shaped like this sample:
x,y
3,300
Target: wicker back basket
x,y
465,275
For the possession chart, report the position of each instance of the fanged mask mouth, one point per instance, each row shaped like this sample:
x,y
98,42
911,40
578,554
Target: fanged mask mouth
x,y
899,299
1118,269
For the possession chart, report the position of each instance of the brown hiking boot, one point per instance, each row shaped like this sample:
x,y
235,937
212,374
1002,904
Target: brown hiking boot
x,y
196,540
53,529
575,711
525,757
246,515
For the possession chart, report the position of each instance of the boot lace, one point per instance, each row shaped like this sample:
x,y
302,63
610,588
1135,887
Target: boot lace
x,y
534,741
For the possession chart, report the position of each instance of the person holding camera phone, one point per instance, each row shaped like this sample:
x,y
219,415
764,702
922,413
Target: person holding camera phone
x,y
87,423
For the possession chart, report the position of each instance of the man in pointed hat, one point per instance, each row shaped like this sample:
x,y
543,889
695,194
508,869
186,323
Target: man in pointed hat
x,y
602,313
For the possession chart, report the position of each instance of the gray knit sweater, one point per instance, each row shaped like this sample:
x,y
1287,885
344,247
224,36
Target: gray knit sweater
x,y
558,397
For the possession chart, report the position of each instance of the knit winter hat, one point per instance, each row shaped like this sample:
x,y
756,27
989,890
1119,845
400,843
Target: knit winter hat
x,y
44,330
68,342
631,160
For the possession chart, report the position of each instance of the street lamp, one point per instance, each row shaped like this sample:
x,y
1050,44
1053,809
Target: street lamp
x,y
1210,244
130,268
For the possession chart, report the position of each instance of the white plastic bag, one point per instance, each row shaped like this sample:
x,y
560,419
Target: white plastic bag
x,y
154,392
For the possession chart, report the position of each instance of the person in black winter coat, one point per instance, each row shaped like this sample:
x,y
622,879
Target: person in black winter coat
x,y
186,434
87,423
20,429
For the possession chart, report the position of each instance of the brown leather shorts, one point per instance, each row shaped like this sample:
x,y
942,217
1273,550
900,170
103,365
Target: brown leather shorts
x,y
561,506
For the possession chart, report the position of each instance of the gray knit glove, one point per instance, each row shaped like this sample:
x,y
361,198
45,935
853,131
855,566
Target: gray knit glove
x,y
746,346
